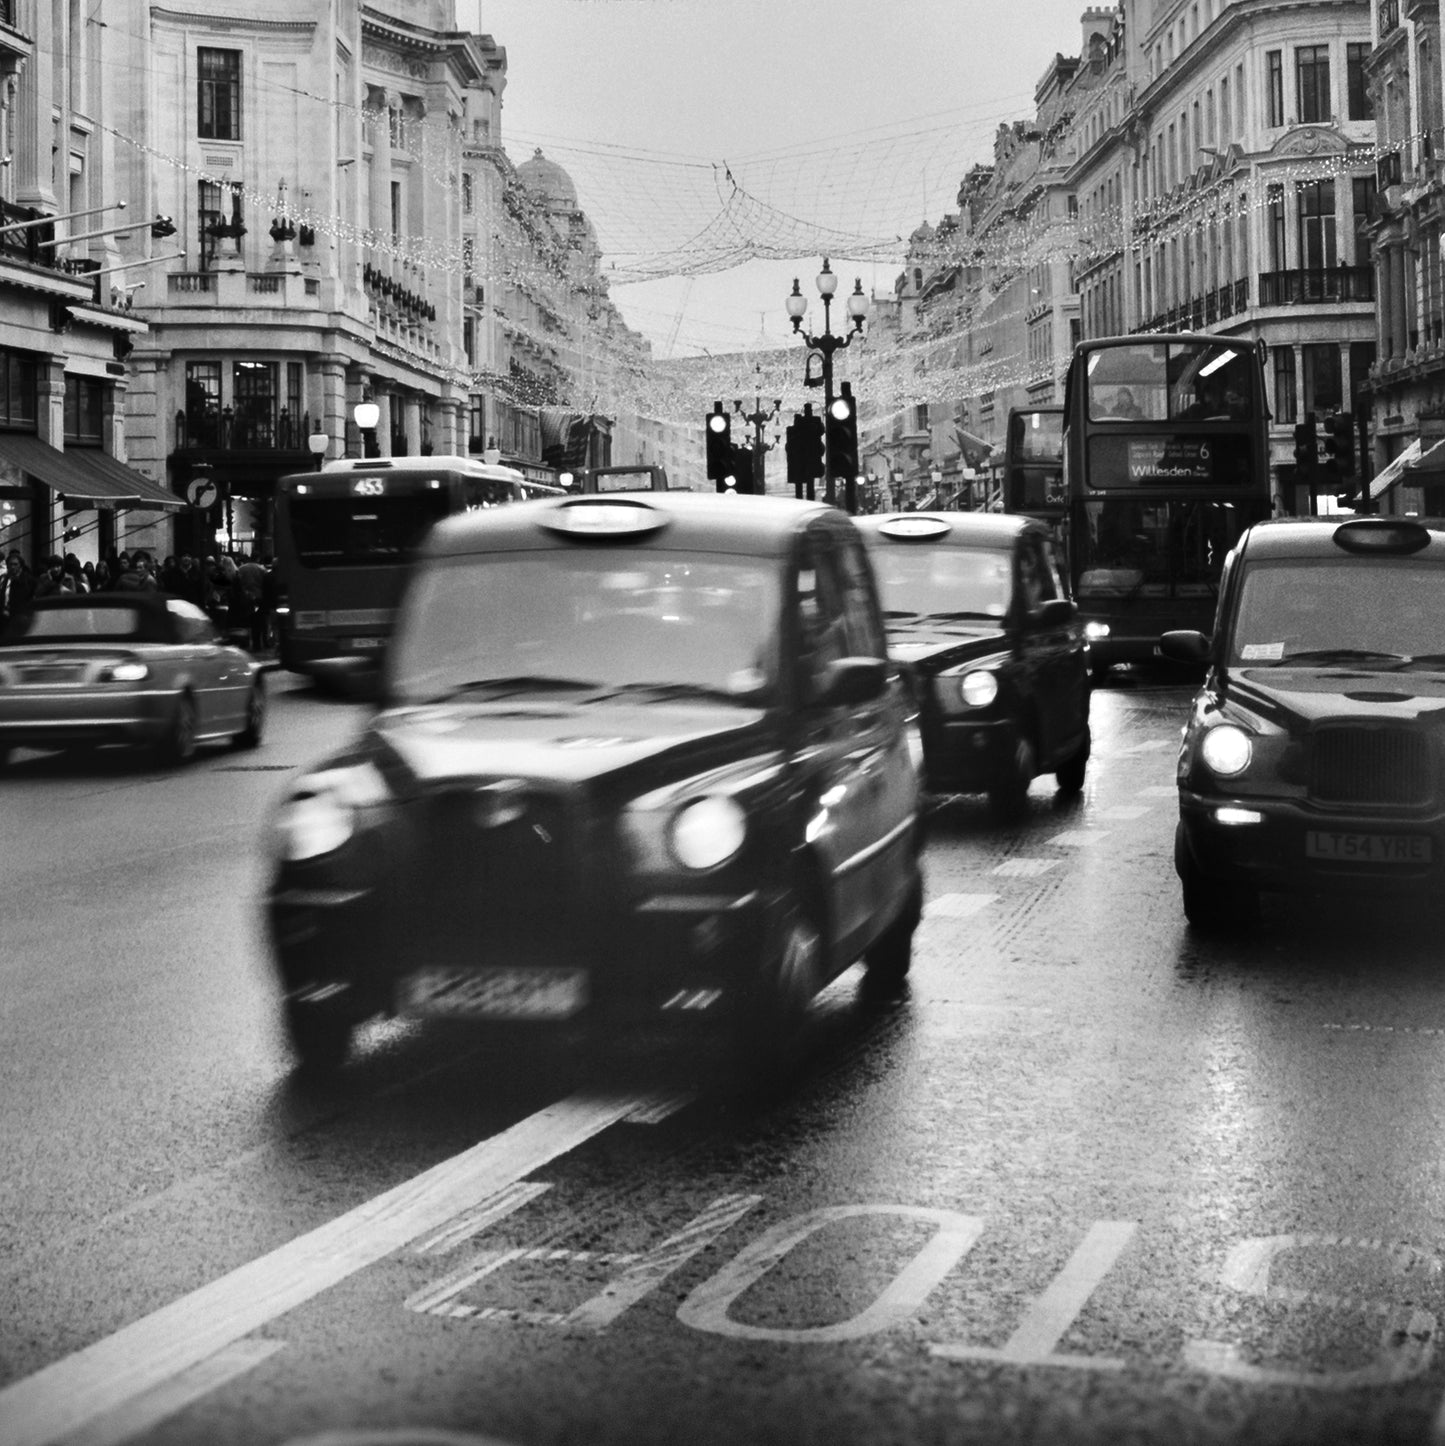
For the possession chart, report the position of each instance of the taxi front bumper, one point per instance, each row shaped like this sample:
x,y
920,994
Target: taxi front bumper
x,y
968,755
1288,847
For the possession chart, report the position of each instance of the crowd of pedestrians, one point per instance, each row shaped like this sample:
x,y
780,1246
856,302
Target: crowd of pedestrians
x,y
238,592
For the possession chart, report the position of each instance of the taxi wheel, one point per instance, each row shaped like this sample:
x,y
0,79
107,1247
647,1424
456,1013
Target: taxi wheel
x,y
771,1032
320,1036
250,736
1070,774
1210,906
1010,791
179,744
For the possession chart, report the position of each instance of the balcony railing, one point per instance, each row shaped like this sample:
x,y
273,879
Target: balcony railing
x,y
1203,311
1331,283
259,429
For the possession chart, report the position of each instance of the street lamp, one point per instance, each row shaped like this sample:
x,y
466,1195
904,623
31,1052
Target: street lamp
x,y
367,415
318,442
825,345
758,419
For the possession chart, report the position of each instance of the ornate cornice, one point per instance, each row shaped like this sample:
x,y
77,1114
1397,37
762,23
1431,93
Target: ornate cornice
x,y
209,20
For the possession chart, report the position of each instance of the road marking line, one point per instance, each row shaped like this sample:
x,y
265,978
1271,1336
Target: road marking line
x,y
656,1108
1079,837
458,1230
147,1411
103,1377
1123,812
1153,745
1385,1028
957,906
1025,868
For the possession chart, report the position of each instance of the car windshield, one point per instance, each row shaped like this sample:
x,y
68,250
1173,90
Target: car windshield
x,y
953,582
1365,611
103,620
561,620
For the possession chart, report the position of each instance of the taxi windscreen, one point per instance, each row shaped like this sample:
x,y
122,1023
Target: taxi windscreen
x,y
948,581
584,617
1366,612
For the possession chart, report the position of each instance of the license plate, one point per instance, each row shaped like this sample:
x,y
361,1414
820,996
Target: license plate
x,y
365,644
1368,848
57,674
497,993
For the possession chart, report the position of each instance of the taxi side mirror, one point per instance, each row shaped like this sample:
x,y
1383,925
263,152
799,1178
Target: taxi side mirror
x,y
1057,612
1184,645
848,681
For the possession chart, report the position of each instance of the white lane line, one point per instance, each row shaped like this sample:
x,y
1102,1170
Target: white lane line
x,y
80,1388
957,906
1079,838
1152,745
147,1411
1024,868
458,1230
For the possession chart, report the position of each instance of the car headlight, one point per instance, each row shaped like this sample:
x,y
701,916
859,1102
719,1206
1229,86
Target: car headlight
x,y
707,832
1225,750
131,672
979,689
320,813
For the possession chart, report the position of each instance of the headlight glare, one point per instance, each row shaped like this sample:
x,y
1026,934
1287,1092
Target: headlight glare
x,y
979,689
320,814
708,832
1225,750
131,672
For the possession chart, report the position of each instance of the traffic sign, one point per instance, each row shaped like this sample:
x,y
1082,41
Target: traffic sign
x,y
202,493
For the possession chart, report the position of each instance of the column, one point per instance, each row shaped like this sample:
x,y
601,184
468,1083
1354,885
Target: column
x,y
1399,317
411,423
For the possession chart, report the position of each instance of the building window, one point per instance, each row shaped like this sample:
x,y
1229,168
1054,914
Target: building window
x,y
1277,259
467,202
295,390
1359,104
253,392
1362,358
218,94
1316,224
1321,365
1362,194
477,434
469,340
203,404
396,211
1312,83
84,409
1274,87
208,214
1286,402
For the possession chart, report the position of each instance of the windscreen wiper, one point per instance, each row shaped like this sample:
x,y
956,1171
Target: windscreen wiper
x,y
518,683
1343,655
671,690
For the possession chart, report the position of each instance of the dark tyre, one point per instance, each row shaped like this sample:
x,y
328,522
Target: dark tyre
x,y
1010,790
887,963
178,746
1070,774
770,1030
1212,907
320,1035
250,736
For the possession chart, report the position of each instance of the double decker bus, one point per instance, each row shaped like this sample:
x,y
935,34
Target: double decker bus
x,y
344,535
1166,462
1033,473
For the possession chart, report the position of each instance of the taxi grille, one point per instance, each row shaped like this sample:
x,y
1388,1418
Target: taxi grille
x,y
1389,766
496,893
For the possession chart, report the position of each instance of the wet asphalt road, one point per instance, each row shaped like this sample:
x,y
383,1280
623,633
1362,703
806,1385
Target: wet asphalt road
x,y
1092,1180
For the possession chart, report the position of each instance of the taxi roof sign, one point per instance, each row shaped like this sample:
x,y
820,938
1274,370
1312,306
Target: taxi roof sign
x,y
594,517
915,529
1381,534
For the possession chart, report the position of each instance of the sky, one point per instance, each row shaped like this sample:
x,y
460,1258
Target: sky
x,y
698,130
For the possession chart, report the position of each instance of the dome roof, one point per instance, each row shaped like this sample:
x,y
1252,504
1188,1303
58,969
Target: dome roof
x,y
548,180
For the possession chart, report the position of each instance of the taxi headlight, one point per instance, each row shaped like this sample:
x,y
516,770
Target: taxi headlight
x,y
708,832
320,814
979,689
1225,750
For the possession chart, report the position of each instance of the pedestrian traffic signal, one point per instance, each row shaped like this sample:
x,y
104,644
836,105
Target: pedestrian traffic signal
x,y
719,445
843,434
1307,448
805,451
741,470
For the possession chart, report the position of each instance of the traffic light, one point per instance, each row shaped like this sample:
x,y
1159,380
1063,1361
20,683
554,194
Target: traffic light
x,y
742,469
162,227
1307,448
843,434
805,451
719,445
1340,445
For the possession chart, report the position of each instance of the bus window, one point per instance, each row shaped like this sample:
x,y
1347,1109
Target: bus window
x,y
361,531
1210,381
1128,384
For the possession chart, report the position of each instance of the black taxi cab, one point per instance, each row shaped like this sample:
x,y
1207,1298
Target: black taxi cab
x,y
978,613
1313,758
637,762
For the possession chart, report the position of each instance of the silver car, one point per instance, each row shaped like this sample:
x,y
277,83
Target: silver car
x,y
136,668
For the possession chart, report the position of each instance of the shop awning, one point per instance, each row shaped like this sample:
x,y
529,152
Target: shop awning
x,y
85,476
1431,463
1389,475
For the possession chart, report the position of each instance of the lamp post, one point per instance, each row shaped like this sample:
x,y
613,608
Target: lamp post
x,y
825,345
318,442
366,415
758,419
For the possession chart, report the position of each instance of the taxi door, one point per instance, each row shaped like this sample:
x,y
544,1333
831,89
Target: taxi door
x,y
1052,654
